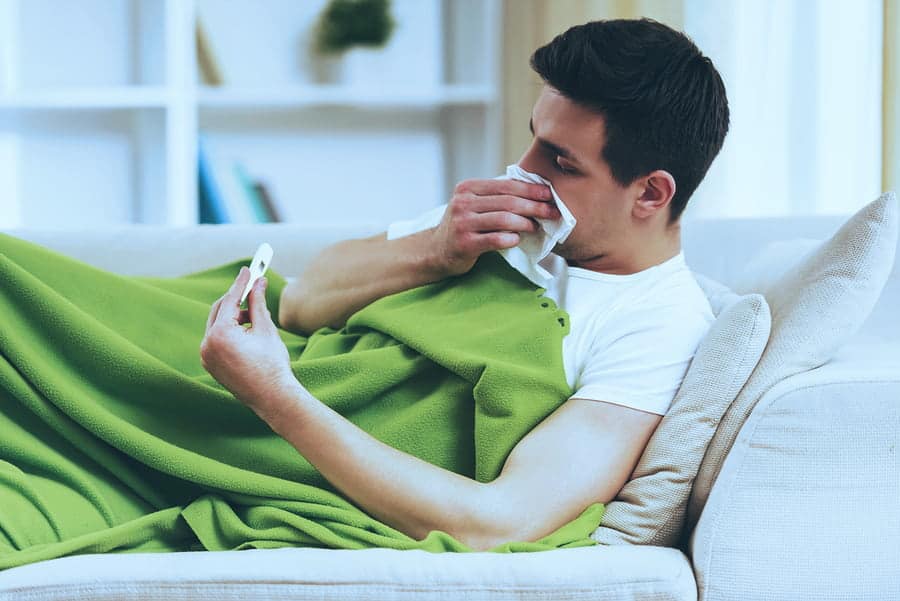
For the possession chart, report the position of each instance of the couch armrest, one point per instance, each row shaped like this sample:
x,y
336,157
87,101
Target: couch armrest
x,y
807,504
155,250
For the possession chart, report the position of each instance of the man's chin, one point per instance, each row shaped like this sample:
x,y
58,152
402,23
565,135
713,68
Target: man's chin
x,y
565,251
573,257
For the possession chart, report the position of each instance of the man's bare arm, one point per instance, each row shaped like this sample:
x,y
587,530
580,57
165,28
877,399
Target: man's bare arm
x,y
580,454
482,216
349,275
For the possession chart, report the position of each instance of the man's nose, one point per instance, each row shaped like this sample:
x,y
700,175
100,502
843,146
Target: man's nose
x,y
530,162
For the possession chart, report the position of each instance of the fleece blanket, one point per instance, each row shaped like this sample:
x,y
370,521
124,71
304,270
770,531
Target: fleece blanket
x,y
113,438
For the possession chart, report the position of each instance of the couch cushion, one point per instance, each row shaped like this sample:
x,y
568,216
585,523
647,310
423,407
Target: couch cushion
x,y
650,508
589,573
817,305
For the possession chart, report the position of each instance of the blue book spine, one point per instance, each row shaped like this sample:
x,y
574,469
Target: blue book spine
x,y
212,207
252,196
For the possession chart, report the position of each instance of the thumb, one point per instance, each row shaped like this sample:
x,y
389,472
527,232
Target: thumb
x,y
259,313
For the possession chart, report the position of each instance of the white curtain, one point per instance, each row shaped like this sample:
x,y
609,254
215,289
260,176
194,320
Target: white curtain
x,y
804,82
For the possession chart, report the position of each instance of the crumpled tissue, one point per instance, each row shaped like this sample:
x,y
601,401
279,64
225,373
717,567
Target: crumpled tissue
x,y
533,247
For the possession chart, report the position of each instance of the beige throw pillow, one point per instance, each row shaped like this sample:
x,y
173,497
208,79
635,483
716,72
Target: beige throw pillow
x,y
817,305
650,508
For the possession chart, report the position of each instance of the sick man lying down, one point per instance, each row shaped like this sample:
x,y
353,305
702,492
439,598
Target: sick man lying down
x,y
629,119
444,386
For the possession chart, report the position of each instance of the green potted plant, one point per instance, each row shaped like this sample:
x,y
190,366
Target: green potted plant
x,y
345,25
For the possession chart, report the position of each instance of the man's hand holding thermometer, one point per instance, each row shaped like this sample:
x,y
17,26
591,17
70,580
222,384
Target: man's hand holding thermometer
x,y
258,267
251,362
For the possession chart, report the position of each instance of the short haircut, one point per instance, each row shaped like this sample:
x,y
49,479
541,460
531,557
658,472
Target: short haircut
x,y
662,100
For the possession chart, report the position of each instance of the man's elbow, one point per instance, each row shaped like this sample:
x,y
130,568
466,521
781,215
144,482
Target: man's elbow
x,y
504,516
490,522
298,311
287,303
492,535
484,537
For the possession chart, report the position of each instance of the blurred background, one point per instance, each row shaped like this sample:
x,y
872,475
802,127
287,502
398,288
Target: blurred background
x,y
367,111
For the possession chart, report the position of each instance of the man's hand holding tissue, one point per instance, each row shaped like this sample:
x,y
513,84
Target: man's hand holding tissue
x,y
483,215
253,363
486,215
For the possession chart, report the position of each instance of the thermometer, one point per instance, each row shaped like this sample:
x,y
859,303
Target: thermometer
x,y
258,267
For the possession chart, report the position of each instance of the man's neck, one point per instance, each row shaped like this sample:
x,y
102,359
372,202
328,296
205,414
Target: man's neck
x,y
634,259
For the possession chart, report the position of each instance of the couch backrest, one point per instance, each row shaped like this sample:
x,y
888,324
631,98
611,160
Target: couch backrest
x,y
721,248
718,248
170,251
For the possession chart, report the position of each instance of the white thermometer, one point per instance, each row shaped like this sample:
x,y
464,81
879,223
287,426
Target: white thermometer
x,y
258,267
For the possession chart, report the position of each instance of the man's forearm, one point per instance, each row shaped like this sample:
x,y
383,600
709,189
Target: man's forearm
x,y
396,488
349,275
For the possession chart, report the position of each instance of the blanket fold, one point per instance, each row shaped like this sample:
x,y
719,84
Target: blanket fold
x,y
113,438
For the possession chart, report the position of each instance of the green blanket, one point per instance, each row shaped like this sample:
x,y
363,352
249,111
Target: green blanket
x,y
113,438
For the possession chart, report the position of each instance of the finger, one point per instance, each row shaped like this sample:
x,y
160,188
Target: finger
x,y
259,313
495,241
512,187
244,316
229,307
502,221
214,310
514,204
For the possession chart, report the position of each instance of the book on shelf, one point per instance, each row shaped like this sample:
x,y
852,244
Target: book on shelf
x,y
271,208
210,72
260,210
226,191
222,191
212,207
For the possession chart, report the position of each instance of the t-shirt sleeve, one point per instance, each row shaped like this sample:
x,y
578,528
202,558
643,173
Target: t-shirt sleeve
x,y
642,358
428,219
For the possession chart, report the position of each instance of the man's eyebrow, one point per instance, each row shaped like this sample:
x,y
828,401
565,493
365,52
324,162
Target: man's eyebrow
x,y
560,150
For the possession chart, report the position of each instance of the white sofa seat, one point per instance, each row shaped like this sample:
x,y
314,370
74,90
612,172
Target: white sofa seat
x,y
623,573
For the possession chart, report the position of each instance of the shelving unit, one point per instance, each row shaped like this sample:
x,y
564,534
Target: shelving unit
x,y
101,109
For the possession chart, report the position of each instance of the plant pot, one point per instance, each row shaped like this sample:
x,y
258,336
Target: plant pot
x,y
365,66
327,68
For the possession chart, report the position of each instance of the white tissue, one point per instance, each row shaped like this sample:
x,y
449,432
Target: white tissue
x,y
534,246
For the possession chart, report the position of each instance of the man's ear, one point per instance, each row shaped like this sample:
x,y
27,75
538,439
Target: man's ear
x,y
657,190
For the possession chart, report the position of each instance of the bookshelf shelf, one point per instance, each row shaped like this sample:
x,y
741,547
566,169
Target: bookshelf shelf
x,y
103,110
310,96
89,98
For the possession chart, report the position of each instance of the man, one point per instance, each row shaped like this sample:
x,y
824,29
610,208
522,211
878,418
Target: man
x,y
625,128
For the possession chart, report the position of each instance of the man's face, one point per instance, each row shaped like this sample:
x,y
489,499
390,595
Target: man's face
x,y
565,150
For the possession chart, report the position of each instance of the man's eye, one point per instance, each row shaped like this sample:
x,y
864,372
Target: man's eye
x,y
562,169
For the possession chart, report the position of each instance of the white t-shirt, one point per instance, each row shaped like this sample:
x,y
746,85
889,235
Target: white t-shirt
x,y
631,337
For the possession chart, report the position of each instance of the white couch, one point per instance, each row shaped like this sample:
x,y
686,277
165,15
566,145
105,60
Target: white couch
x,y
806,506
